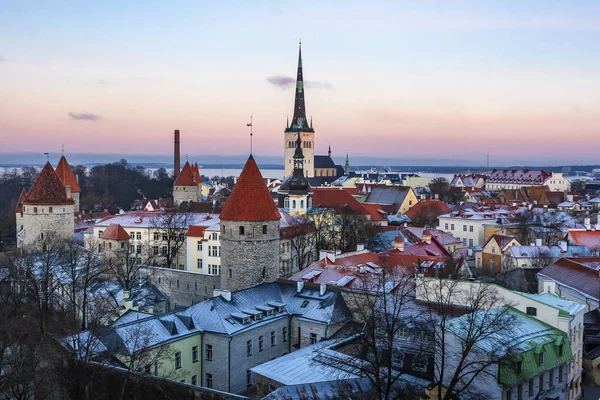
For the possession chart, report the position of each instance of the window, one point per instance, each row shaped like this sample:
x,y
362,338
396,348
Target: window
x,y
195,354
464,228
249,348
313,338
286,202
208,350
551,377
156,236
530,388
199,245
194,380
208,380
241,230
419,363
284,334
464,241
264,229
271,387
518,367
163,250
138,236
508,394
165,236
541,382
403,332
260,343
493,249
154,250
397,358
35,209
560,374
199,263
50,209
272,338
100,234
520,392
471,242
248,377
446,226
148,369
451,226
561,350
213,251
531,311
470,228
214,269
178,360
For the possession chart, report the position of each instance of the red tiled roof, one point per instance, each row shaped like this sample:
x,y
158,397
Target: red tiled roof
x,y
427,208
590,239
337,199
19,208
501,240
186,177
250,200
374,209
66,176
47,189
435,248
115,232
196,172
196,231
578,273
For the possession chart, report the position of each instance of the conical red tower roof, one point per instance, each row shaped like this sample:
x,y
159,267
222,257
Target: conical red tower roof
x,y
19,208
47,189
115,232
65,174
186,176
250,200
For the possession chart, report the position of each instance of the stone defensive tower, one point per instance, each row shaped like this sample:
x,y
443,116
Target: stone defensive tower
x,y
45,211
66,176
249,233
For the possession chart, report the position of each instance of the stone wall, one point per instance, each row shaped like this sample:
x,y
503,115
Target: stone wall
x,y
185,193
38,220
251,257
183,288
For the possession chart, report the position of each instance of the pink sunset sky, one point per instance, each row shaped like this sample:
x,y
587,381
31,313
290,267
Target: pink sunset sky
x,y
391,79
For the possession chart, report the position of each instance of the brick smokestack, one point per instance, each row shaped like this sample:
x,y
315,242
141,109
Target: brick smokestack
x,y
176,155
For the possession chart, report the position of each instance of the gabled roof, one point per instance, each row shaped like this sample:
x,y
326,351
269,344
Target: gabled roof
x,y
196,231
115,232
377,213
187,176
590,239
393,195
337,199
66,176
323,162
502,240
250,200
580,274
47,189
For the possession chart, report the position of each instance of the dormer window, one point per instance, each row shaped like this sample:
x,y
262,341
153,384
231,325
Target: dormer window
x,y
246,320
281,309
531,311
541,359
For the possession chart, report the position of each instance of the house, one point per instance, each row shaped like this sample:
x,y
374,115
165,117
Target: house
x,y
589,238
426,213
540,256
187,185
492,253
500,179
469,224
535,195
415,234
378,215
215,343
532,356
398,199
468,181
575,279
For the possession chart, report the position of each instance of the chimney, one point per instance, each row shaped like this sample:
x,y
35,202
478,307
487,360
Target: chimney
x,y
224,293
437,196
299,286
427,236
322,254
322,289
399,243
176,154
538,242
563,246
360,246
422,196
587,223
331,256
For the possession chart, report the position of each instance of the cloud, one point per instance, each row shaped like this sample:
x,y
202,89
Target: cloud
x,y
2,59
84,116
286,82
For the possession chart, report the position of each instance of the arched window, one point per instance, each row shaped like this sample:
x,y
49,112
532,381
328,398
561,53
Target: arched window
x,y
286,202
301,203
293,203
310,202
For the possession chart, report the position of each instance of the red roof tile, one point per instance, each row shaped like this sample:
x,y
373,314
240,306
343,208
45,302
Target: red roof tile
x,y
196,231
47,189
115,232
578,273
590,239
250,200
186,177
19,208
339,200
66,176
374,209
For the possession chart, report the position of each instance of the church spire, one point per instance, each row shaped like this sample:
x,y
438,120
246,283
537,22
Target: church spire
x,y
347,166
299,120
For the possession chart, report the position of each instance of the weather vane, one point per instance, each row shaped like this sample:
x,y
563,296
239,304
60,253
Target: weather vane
x,y
250,125
47,156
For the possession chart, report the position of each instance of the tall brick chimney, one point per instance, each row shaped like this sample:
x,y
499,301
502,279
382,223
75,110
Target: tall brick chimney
x,y
176,155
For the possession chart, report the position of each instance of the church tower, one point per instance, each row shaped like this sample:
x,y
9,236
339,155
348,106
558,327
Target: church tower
x,y
300,125
295,193
249,233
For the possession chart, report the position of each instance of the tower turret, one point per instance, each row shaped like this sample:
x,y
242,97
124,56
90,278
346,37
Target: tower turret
x,y
295,193
249,232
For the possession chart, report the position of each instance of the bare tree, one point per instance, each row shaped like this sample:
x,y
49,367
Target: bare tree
x,y
324,220
303,242
486,317
170,228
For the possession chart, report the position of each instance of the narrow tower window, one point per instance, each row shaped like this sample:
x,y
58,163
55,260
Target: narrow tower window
x,y
241,230
264,229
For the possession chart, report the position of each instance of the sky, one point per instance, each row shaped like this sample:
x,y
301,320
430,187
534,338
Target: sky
x,y
401,80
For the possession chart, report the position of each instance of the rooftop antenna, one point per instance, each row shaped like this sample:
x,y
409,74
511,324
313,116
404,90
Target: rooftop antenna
x,y
250,125
488,158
